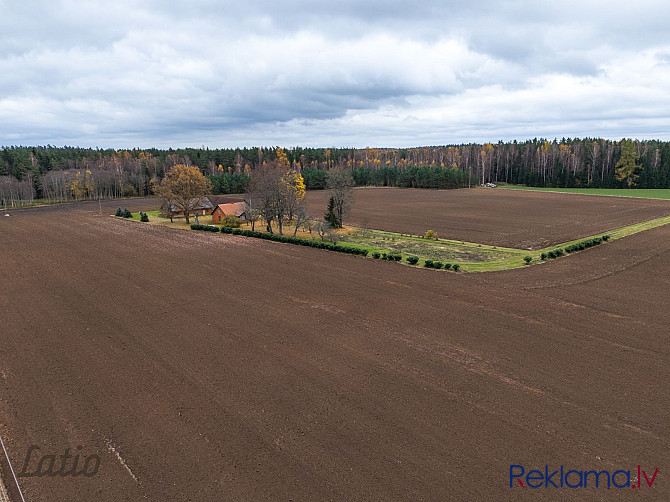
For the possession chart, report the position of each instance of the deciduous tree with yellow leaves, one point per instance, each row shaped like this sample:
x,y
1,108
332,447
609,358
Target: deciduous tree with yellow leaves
x,y
183,186
627,165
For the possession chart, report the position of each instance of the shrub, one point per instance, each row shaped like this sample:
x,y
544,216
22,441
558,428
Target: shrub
x,y
447,266
230,220
606,237
376,256
397,257
431,234
543,256
412,260
527,259
144,217
456,267
437,264
428,264
119,212
127,214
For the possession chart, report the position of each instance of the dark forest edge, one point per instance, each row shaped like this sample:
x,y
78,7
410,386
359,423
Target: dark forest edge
x,y
59,174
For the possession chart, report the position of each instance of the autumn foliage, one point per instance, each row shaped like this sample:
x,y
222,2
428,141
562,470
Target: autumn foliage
x,y
182,187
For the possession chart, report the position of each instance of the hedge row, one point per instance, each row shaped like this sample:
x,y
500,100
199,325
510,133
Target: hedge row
x,y
387,256
438,265
578,246
205,228
413,260
288,240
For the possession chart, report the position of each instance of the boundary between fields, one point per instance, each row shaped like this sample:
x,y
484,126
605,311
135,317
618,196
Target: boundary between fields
x,y
18,487
509,263
582,193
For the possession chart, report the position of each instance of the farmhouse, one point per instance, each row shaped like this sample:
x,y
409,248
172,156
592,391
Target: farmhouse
x,y
229,209
198,206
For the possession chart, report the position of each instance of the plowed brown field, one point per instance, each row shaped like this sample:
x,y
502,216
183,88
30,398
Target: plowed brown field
x,y
210,367
510,218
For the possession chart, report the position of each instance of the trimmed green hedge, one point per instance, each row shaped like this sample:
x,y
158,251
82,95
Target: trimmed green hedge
x,y
205,228
289,240
580,246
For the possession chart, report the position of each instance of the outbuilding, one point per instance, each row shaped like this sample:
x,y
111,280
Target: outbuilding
x,y
230,209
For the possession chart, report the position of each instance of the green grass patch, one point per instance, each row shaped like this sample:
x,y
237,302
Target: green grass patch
x,y
645,193
471,256
151,214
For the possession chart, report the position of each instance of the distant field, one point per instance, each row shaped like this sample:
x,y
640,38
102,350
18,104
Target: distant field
x,y
644,193
505,218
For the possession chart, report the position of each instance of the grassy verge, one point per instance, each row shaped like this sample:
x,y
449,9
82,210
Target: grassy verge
x,y
645,193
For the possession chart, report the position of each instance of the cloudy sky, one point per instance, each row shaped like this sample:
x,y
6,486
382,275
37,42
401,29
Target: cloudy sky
x,y
344,73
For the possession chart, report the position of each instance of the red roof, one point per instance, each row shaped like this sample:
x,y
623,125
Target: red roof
x,y
234,208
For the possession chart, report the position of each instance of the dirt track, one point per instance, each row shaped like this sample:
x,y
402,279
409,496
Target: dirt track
x,y
224,368
511,218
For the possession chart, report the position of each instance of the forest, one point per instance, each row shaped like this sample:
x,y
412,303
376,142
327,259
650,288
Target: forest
x,y
59,174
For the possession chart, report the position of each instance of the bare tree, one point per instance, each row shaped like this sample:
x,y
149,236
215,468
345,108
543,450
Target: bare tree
x,y
322,229
263,191
251,210
340,185
301,217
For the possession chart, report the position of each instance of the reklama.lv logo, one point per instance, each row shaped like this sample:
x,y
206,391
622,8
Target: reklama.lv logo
x,y
561,478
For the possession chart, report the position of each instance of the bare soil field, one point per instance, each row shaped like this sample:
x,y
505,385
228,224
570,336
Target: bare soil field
x,y
212,367
509,218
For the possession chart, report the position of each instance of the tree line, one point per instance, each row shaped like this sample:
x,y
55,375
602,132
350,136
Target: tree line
x,y
72,173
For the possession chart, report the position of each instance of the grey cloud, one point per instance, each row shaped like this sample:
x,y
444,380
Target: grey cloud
x,y
159,72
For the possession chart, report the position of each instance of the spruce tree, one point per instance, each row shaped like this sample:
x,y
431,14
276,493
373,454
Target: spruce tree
x,y
330,216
